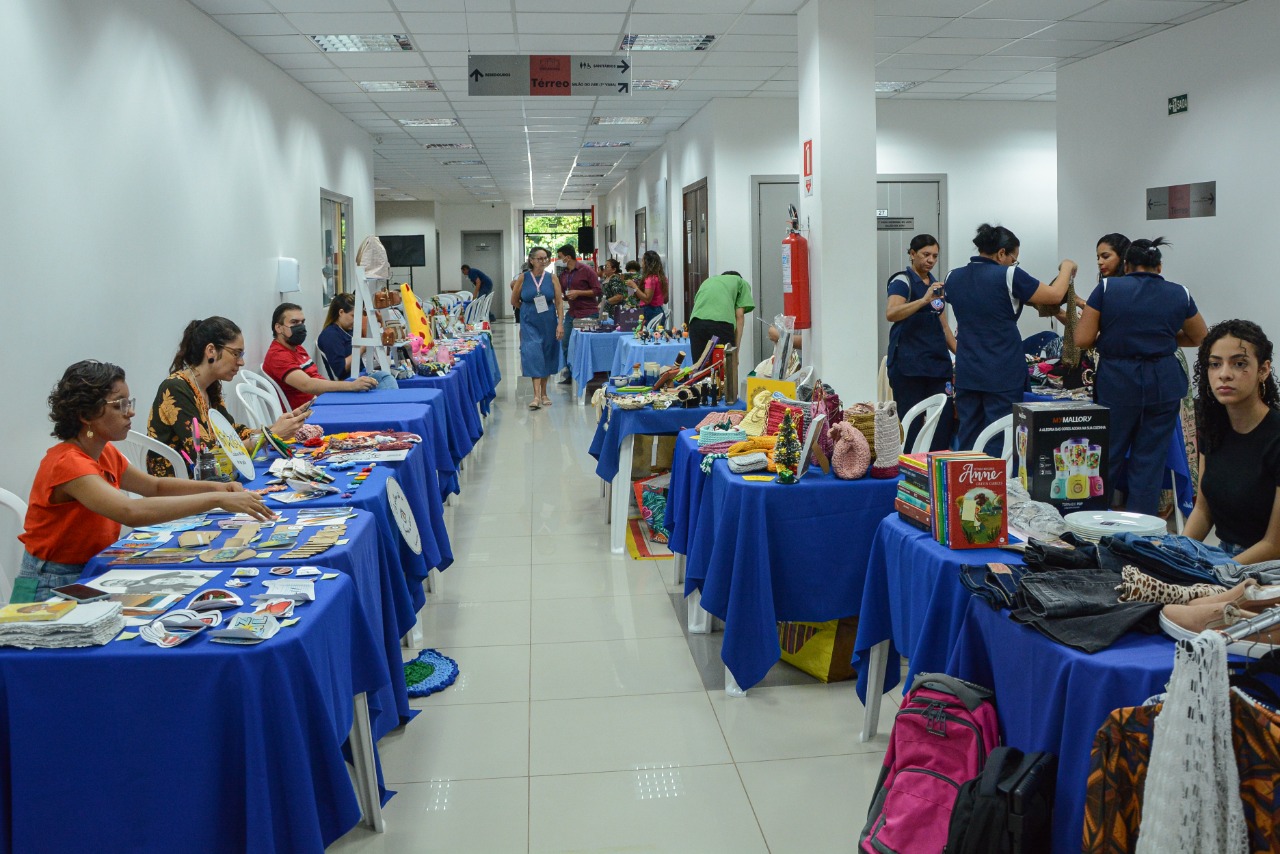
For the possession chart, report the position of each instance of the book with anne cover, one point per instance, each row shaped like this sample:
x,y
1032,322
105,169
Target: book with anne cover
x,y
976,513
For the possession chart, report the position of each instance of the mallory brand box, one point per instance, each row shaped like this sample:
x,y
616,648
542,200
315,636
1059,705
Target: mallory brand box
x,y
1060,453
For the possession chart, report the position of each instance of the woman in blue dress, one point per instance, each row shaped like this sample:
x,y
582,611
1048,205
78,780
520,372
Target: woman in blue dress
x,y
536,296
1143,320
986,297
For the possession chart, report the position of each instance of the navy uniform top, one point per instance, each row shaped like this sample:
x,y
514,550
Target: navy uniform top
x,y
478,278
1141,315
987,299
917,344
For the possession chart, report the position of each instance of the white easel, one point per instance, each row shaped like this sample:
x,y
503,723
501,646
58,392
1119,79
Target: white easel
x,y
373,342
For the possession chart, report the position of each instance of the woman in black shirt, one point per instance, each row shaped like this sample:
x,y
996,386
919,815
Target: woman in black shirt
x,y
1238,422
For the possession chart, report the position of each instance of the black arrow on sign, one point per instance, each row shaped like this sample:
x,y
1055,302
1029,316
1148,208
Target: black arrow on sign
x,y
476,75
624,88
625,66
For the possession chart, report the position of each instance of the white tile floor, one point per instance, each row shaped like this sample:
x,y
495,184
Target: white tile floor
x,y
584,719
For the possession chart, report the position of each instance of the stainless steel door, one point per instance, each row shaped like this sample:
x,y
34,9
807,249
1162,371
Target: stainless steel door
x,y
896,202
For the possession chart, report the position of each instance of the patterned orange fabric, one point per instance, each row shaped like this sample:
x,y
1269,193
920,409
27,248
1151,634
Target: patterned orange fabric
x,y
1122,750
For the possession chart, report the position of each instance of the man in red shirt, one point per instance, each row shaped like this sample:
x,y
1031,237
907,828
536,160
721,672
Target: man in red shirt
x,y
291,366
581,288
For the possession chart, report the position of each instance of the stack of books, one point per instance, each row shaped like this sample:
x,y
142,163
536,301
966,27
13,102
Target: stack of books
x,y
967,500
912,501
56,624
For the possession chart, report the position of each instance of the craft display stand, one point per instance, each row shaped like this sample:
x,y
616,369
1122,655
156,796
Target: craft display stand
x,y
364,308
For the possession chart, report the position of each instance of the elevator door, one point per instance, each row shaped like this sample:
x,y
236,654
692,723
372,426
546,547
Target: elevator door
x,y
897,202
771,226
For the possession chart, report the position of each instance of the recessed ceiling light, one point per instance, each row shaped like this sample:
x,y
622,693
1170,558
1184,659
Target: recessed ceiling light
x,y
448,145
464,163
429,123
398,85
602,144
361,43
582,165
473,177
588,175
655,84
887,86
646,41
621,120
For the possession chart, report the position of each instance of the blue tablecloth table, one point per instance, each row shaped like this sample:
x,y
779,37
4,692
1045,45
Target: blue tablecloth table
x,y
1052,697
632,350
591,352
912,604
763,552
206,746
463,406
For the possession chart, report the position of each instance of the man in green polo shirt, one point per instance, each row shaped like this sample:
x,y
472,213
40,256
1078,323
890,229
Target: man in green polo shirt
x,y
719,308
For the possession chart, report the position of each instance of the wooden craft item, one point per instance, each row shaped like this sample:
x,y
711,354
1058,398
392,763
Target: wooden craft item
x,y
195,539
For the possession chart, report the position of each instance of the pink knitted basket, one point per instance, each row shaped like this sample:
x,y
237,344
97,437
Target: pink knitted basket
x,y
852,455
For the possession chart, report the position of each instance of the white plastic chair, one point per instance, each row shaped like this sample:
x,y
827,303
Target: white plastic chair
x,y
135,450
10,548
268,383
999,426
322,365
930,409
262,407
884,391
653,324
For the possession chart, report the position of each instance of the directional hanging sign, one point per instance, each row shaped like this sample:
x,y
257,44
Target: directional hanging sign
x,y
548,75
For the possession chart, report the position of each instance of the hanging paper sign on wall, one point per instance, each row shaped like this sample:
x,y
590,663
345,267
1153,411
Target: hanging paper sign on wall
x,y
403,514
231,444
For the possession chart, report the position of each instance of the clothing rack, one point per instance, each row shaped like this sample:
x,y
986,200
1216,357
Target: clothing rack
x,y
1244,628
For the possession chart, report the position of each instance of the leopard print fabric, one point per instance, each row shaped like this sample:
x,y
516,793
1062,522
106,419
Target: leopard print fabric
x,y
1137,586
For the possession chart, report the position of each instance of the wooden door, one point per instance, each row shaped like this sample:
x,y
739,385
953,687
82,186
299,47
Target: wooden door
x,y
697,242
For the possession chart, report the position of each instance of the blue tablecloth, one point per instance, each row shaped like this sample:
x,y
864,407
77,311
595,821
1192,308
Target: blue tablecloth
x,y
617,425
429,418
590,352
465,428
381,587
914,599
128,747
764,552
1177,471
487,375
1052,697
630,351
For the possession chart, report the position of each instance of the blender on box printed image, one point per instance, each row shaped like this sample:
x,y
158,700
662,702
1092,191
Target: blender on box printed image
x,y
1021,438
1094,466
1058,488
1076,452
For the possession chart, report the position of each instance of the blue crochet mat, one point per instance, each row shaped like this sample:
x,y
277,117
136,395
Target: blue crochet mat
x,y
429,672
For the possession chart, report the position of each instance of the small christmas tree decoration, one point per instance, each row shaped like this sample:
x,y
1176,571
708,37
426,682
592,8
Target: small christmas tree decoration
x,y
787,453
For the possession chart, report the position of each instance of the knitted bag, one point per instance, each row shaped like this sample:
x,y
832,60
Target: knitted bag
x,y
888,440
719,433
755,444
863,417
733,416
852,454
774,420
747,463
826,401
756,418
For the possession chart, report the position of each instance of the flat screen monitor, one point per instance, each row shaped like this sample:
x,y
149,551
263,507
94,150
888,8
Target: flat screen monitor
x,y
405,250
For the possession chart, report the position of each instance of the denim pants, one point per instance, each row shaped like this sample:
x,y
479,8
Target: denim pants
x,y
1079,608
996,584
385,380
1172,558
46,574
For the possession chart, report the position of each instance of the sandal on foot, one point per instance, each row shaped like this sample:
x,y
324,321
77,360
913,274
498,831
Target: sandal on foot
x,y
535,405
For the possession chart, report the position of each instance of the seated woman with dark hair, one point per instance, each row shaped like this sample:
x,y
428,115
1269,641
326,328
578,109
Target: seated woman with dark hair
x,y
334,342
1238,424
210,354
76,505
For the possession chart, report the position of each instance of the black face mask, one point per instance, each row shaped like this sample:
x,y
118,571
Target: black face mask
x,y
297,334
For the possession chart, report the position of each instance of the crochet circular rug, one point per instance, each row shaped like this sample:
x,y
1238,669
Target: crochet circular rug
x,y
429,672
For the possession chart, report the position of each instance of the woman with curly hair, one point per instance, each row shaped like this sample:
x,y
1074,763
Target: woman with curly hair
x,y
1238,422
651,294
210,354
76,505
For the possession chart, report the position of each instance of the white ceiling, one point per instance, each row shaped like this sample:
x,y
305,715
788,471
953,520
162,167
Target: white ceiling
x,y
531,148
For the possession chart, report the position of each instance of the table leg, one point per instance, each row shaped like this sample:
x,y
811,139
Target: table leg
x,y
731,687
680,560
618,498
700,620
875,685
366,773
607,492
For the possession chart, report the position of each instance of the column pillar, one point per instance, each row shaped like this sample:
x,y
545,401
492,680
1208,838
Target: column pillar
x,y
838,113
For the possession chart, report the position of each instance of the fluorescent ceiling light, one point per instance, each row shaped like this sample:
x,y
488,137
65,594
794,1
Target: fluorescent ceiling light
x,y
620,120
886,86
601,144
464,163
582,165
647,41
429,123
473,177
655,84
398,85
361,43
586,175
448,145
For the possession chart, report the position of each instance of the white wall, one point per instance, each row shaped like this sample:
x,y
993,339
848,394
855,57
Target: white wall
x,y
413,218
154,168
1228,66
1000,161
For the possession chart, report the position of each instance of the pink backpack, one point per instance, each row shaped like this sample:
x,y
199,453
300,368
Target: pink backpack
x,y
941,737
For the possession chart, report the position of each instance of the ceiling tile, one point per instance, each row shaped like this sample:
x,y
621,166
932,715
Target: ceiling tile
x,y
315,59
347,23
974,76
585,23
1139,11
973,47
765,25
256,25
1091,31
435,22
889,25
893,44
281,44
332,5
1045,10
929,8
1045,47
935,88
224,7
992,28
906,75
752,43
1011,63
392,62
925,60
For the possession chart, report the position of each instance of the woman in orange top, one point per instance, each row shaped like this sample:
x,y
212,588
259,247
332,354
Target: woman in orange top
x,y
76,506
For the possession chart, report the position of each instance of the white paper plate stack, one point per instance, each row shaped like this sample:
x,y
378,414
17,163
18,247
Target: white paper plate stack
x,y
1093,525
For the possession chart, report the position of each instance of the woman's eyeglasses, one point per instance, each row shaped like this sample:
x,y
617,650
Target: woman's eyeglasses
x,y
124,404
235,354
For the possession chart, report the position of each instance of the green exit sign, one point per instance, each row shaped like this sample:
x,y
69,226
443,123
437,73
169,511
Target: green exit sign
x,y
1177,105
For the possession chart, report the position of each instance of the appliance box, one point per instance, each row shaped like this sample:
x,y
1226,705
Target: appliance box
x,y
1060,453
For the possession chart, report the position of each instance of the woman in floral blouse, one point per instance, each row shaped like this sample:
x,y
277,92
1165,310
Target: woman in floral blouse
x,y
211,353
616,292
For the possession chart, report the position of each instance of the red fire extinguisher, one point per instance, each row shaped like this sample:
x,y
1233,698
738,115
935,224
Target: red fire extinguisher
x,y
795,272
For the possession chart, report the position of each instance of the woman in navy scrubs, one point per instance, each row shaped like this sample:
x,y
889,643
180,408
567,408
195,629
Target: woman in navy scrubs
x,y
920,340
1143,320
987,296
